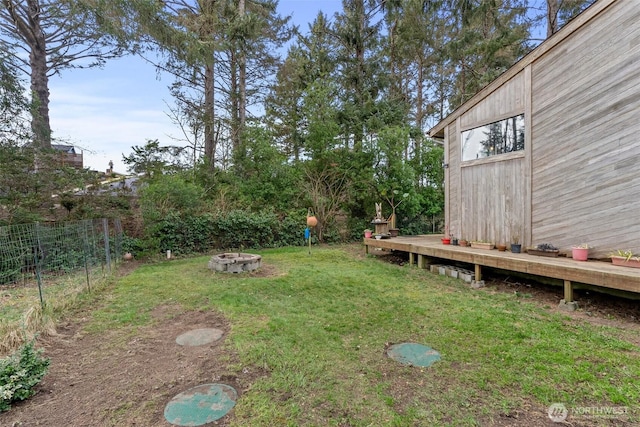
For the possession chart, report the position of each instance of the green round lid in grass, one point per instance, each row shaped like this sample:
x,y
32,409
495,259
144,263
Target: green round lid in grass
x,y
198,337
200,405
413,354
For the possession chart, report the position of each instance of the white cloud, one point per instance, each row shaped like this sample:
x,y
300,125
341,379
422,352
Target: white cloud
x,y
105,112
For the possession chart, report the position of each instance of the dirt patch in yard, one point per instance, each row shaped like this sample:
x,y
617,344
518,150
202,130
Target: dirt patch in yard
x,y
126,378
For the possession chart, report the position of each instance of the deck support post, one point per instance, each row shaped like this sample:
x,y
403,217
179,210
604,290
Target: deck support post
x,y
568,304
420,261
366,249
411,258
478,272
568,291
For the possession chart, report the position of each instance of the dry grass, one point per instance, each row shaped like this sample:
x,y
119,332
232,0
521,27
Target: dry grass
x,y
24,318
35,321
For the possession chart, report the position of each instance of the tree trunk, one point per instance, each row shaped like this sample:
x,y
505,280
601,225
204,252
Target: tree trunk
x,y
420,113
233,73
358,134
242,80
553,6
40,125
209,133
31,32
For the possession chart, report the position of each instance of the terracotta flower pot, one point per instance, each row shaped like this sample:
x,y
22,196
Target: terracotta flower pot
x,y
623,261
482,245
580,254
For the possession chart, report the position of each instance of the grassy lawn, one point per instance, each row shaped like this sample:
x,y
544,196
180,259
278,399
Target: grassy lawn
x,y
319,325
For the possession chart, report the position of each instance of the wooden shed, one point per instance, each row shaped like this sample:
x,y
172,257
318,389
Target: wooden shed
x,y
550,151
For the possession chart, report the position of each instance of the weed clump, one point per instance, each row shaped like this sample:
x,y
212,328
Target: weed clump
x,y
20,373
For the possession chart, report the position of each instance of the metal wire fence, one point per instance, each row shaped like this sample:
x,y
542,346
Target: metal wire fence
x,y
47,264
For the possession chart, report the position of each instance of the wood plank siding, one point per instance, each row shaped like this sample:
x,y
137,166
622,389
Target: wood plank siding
x,y
493,200
452,178
578,179
586,133
506,101
486,197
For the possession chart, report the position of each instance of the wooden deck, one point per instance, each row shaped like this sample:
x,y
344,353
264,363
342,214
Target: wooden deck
x,y
602,274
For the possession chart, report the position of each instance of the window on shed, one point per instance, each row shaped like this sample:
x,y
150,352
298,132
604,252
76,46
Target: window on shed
x,y
504,136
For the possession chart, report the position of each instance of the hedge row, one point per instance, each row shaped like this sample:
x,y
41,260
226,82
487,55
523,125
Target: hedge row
x,y
231,230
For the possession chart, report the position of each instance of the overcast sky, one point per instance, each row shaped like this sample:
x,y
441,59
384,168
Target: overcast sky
x,y
104,112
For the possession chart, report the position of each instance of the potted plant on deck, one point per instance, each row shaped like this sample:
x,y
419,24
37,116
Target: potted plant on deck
x,y
580,252
544,249
393,231
515,231
625,259
482,244
454,239
446,240
516,247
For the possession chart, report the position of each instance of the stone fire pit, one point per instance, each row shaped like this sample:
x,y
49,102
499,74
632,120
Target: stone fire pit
x,y
235,262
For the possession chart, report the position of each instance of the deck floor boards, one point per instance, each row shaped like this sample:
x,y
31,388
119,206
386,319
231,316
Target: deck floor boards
x,y
597,273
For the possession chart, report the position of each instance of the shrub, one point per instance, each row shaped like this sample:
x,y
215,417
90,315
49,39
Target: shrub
x,y
168,195
19,374
289,230
240,229
132,245
185,234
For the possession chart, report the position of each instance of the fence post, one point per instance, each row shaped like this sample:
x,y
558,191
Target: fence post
x,y
85,250
105,226
36,257
117,239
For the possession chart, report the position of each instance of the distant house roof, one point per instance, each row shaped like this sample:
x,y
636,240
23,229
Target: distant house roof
x,y
68,156
69,149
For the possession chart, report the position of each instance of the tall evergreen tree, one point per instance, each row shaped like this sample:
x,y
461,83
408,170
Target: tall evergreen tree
x,y
488,36
13,105
46,37
284,104
358,58
221,52
559,12
293,103
252,38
